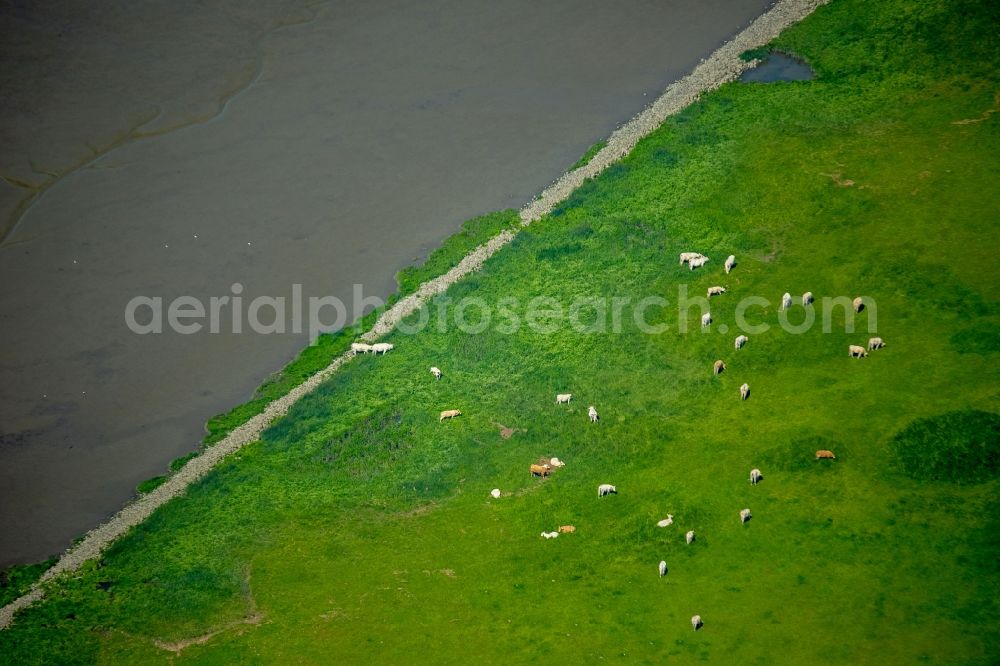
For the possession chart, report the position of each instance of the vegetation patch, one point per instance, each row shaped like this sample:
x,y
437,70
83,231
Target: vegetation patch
x,y
371,446
177,463
589,155
758,53
18,579
149,485
980,338
474,233
958,447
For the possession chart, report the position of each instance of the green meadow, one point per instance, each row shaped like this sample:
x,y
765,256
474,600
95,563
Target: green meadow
x,y
360,529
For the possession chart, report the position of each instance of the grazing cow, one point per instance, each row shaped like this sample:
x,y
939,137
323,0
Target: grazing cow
x,y
566,529
858,304
876,343
696,622
689,537
436,372
807,298
718,367
666,522
449,414
697,262
495,493
563,398
592,413
540,470
730,262
786,301
856,352
606,489
360,348
823,453
716,291
555,462
550,535
740,341
744,392
755,476
706,319
382,347
745,515
663,568
685,257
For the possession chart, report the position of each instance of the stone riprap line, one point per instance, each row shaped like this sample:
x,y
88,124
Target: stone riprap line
x,y
723,66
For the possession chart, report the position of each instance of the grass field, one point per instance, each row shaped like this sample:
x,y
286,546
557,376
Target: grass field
x,y
361,529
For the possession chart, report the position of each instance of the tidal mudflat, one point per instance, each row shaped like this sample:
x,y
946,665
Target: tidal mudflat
x,y
327,146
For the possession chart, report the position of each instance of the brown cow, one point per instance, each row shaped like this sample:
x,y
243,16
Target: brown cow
x,y
825,454
449,414
540,470
567,528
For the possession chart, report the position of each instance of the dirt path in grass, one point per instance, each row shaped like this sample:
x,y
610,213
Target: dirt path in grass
x,y
722,66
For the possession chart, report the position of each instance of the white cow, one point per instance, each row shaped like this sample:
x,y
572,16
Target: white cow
x,y
858,304
786,301
606,489
685,257
436,372
666,522
555,462
856,352
744,392
697,262
663,568
718,367
689,537
563,398
592,413
716,291
755,476
740,341
495,493
706,319
730,262
360,348
807,298
550,535
745,515
382,347
876,343
696,622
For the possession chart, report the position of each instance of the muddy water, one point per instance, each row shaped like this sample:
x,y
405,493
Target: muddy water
x,y
778,67
176,150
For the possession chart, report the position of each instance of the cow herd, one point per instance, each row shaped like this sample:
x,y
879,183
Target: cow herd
x,y
377,348
607,489
545,467
696,260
